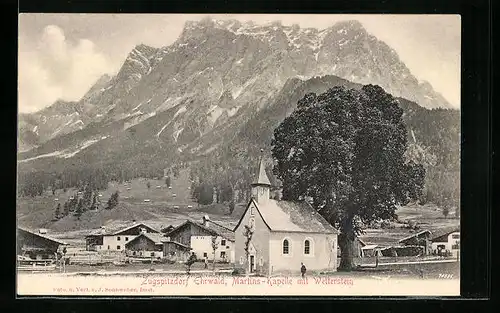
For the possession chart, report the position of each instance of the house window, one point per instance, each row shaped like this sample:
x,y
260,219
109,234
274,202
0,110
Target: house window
x,y
242,260
108,247
251,210
126,238
223,242
456,246
118,238
307,247
152,254
118,247
286,246
205,254
455,236
223,254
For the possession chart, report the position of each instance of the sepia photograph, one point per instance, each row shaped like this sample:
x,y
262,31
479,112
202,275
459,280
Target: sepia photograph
x,y
238,155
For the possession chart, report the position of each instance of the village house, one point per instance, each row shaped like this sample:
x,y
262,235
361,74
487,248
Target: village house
x,y
284,234
446,240
146,245
37,245
112,239
176,252
198,236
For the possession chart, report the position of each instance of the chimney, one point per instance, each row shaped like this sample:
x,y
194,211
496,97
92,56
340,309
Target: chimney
x,y
42,231
206,221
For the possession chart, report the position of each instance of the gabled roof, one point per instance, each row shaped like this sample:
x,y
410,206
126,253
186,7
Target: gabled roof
x,y
178,244
261,178
42,236
156,238
288,216
414,235
134,226
444,232
116,229
213,228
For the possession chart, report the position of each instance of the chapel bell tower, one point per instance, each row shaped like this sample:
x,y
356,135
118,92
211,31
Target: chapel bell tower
x,y
261,185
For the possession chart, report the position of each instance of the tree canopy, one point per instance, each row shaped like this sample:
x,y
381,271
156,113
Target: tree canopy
x,y
345,149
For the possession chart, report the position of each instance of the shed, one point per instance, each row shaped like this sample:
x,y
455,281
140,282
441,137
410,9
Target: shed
x,y
421,238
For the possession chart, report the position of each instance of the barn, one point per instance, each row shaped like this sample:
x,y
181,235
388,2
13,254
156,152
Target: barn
x,y
37,245
176,252
146,245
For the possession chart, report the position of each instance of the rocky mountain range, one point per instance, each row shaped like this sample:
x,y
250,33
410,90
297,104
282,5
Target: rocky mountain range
x,y
185,100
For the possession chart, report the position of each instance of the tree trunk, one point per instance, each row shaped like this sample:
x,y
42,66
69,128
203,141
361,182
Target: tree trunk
x,y
346,242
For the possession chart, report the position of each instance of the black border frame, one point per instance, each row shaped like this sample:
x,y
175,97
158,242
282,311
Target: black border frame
x,y
476,165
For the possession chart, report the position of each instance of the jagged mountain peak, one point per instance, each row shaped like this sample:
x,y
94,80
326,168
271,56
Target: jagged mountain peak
x,y
145,48
352,25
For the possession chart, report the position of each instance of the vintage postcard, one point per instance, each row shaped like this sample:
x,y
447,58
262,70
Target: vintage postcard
x,y
238,155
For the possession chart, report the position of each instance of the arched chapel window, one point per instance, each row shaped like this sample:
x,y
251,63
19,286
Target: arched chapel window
x,y
286,246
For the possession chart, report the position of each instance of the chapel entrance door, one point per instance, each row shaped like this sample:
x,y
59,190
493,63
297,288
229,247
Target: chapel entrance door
x,y
252,263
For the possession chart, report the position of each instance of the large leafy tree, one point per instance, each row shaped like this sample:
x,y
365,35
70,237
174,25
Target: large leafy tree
x,y
345,150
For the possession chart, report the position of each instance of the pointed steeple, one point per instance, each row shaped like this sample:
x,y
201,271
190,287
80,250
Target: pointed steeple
x,y
261,178
261,185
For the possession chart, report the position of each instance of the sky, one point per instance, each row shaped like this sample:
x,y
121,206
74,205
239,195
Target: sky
x,y
62,55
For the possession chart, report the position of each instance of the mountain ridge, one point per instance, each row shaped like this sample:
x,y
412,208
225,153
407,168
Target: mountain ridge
x,y
217,73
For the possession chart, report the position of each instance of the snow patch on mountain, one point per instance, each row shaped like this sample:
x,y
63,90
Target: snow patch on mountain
x,y
85,145
180,111
46,155
177,133
214,113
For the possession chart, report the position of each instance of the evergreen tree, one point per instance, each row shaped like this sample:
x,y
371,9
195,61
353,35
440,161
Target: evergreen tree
x,y
57,214
79,209
113,201
93,206
66,208
87,196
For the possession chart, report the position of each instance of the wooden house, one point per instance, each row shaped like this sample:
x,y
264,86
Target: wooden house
x,y
176,252
37,245
198,236
146,245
